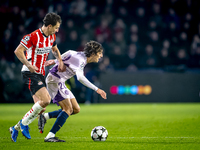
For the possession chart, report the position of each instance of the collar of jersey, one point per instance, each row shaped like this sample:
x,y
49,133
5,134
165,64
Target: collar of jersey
x,y
43,33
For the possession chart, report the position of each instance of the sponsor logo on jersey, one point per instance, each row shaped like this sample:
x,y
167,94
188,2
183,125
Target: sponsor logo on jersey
x,y
40,83
82,66
43,50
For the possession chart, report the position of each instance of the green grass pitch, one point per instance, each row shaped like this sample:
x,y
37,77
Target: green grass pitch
x,y
130,126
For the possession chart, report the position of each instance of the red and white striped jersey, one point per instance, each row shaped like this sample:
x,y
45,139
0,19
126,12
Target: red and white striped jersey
x,y
38,46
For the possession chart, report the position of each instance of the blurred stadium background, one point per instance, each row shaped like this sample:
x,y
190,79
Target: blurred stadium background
x,y
151,47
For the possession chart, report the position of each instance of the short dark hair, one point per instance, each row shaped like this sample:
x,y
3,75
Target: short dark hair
x,y
51,18
92,47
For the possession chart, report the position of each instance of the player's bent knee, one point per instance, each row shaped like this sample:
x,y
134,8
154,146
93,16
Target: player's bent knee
x,y
69,111
48,98
76,110
46,103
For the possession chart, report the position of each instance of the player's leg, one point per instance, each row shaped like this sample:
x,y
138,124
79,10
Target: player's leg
x,y
67,109
36,99
40,94
75,106
42,119
44,99
51,89
54,114
31,114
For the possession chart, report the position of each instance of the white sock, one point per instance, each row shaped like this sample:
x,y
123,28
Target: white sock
x,y
46,115
32,114
17,126
31,120
50,135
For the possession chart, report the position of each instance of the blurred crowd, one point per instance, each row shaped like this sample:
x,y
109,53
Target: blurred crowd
x,y
136,34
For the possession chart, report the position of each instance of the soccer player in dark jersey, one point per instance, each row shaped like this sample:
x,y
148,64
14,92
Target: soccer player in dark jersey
x,y
37,46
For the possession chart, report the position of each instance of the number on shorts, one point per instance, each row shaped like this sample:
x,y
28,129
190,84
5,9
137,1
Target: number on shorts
x,y
62,85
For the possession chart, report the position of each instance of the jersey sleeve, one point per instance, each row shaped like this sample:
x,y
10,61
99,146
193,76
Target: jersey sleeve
x,y
54,43
81,78
27,41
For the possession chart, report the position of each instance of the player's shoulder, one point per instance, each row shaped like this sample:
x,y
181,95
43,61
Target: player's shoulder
x,y
32,34
72,52
35,32
80,54
68,53
75,54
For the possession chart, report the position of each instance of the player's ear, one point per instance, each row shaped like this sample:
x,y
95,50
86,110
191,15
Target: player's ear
x,y
49,26
93,54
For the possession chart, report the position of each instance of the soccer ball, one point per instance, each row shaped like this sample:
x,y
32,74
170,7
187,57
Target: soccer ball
x,y
99,133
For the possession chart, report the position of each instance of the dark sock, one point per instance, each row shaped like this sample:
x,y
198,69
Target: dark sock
x,y
54,114
61,119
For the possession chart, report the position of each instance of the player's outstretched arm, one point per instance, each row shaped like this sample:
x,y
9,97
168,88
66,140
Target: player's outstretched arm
x,y
102,93
81,78
49,62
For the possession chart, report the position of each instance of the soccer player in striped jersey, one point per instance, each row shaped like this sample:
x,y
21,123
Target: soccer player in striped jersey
x,y
60,94
37,46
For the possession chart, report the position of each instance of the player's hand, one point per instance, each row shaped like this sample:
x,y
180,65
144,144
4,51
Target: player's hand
x,y
61,67
32,68
49,63
102,93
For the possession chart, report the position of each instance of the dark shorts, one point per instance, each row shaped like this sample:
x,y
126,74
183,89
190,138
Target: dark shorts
x,y
34,81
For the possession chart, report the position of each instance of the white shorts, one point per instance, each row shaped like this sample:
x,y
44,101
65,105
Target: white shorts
x,y
57,89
